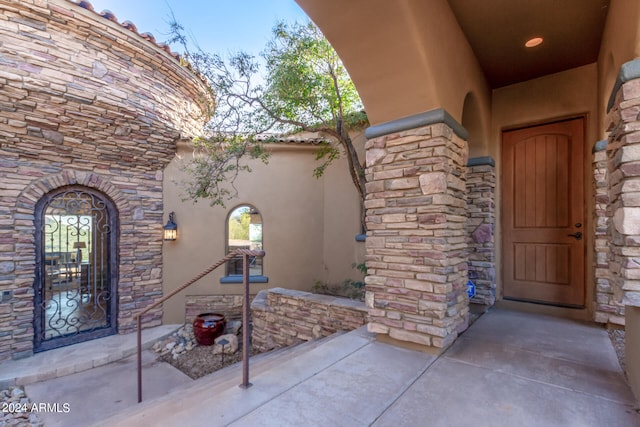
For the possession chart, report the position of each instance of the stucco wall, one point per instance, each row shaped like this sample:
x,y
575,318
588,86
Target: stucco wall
x,y
557,96
309,226
620,43
417,58
342,222
85,102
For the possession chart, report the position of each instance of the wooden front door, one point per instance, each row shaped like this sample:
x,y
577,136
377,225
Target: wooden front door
x,y
543,213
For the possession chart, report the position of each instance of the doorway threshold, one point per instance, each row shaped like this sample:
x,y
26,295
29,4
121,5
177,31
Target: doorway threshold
x,y
581,314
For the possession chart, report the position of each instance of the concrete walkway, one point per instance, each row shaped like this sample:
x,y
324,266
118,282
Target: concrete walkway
x,y
65,361
105,391
508,369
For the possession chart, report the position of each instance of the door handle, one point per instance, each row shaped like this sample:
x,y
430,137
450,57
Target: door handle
x,y
577,236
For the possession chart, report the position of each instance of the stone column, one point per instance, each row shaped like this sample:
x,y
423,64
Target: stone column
x,y
481,218
623,164
416,238
607,309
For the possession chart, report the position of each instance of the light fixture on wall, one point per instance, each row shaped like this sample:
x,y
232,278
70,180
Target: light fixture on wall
x,y
171,228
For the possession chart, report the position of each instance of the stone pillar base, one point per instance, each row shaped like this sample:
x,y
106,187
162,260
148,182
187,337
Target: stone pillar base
x,y
436,351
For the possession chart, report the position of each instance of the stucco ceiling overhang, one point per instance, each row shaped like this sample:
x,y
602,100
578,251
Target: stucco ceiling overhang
x,y
498,29
408,57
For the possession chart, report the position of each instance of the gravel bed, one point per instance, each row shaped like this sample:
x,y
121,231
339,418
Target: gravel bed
x,y
17,409
201,361
183,352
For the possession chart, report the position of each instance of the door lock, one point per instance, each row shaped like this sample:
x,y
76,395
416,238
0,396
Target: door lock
x,y
577,236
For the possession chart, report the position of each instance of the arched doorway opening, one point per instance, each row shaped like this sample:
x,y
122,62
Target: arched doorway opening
x,y
75,288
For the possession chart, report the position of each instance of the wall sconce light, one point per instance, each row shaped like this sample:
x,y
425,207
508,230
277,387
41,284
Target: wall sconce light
x,y
171,228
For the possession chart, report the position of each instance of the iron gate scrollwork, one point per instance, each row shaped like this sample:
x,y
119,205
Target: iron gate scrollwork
x,y
76,268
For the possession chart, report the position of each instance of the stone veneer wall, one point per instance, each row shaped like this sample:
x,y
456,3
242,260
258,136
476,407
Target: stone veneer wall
x,y
623,167
283,317
229,305
481,218
608,307
623,161
87,102
416,240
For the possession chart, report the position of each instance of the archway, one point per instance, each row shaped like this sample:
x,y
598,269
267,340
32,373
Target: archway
x,y
75,287
472,122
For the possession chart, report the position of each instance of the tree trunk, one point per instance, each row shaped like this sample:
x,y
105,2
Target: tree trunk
x,y
357,176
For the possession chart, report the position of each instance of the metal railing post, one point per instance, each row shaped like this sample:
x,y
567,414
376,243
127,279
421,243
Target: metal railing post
x,y
245,316
245,322
138,323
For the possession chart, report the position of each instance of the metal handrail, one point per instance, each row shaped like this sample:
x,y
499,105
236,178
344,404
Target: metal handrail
x,y
246,253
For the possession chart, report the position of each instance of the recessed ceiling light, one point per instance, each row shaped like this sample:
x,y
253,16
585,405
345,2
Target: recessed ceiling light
x,y
536,41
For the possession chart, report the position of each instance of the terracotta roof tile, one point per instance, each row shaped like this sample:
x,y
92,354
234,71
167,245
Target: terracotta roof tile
x,y
292,139
107,14
85,5
130,26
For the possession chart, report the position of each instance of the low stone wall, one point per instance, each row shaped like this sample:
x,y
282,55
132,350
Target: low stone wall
x,y
229,305
283,317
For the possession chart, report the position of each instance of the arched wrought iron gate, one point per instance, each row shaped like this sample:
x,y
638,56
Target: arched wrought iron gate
x,y
76,267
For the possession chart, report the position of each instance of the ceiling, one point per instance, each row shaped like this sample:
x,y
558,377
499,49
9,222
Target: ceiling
x,y
498,29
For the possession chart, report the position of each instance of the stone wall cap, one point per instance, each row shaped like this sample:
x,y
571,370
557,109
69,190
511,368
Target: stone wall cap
x,y
259,302
320,298
427,118
600,146
629,71
481,161
288,292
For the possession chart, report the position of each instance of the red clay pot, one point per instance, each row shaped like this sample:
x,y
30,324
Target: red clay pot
x,y
207,327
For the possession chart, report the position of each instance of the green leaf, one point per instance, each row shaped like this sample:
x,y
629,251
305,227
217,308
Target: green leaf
x,y
301,85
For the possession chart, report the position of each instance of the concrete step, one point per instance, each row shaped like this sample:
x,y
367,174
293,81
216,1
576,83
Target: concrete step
x,y
115,385
104,391
76,358
231,376
271,375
